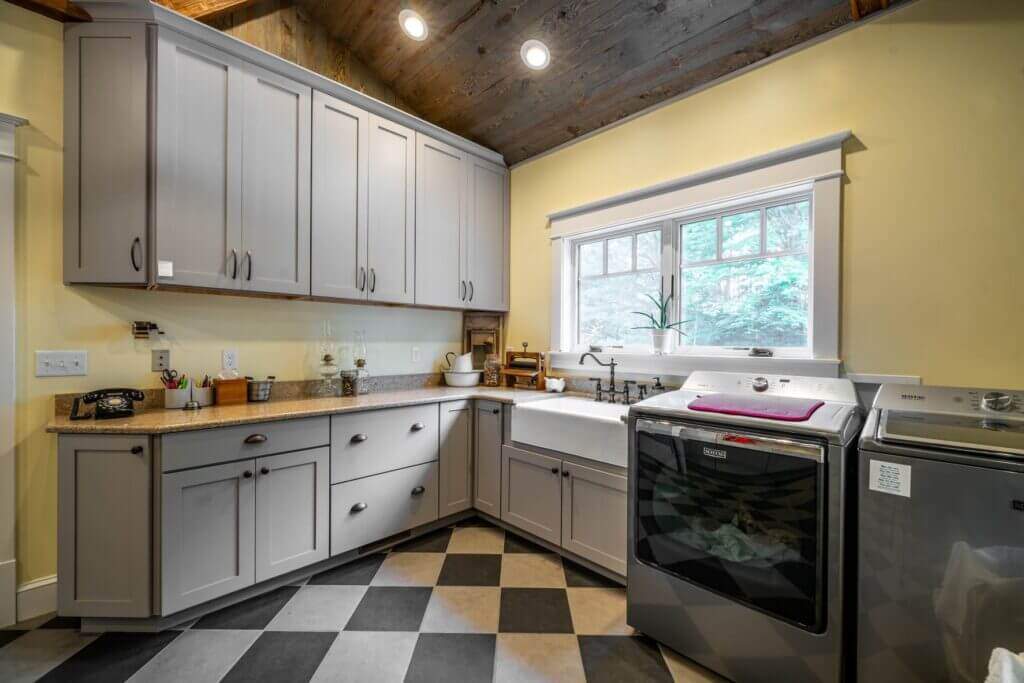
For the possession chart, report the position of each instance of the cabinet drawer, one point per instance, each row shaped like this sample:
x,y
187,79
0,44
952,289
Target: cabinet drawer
x,y
369,509
207,446
372,442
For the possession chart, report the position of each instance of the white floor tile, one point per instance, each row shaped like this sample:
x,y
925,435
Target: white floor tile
x,y
318,608
382,657
196,656
33,654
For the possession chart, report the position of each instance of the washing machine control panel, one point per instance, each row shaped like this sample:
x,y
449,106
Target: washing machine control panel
x,y
950,400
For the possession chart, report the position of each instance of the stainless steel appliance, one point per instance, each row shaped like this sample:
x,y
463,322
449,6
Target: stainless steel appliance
x,y
941,533
737,494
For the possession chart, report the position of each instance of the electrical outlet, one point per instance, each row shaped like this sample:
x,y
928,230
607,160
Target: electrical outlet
x,y
229,359
160,360
415,354
61,363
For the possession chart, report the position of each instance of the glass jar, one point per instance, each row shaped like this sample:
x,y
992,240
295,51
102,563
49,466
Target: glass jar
x,y
492,370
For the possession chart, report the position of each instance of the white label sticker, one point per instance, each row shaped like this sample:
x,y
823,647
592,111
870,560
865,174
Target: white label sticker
x,y
889,477
165,268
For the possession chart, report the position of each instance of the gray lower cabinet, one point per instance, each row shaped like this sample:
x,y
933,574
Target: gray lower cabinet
x,y
455,486
208,533
367,510
594,515
487,461
292,511
376,441
531,492
104,526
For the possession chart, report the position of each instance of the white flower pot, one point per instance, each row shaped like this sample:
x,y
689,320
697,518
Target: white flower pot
x,y
661,340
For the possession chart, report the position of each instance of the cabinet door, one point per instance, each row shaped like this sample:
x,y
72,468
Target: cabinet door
x,y
487,236
456,483
487,470
391,244
440,224
106,215
198,175
208,530
292,509
275,183
594,515
104,548
340,195
531,496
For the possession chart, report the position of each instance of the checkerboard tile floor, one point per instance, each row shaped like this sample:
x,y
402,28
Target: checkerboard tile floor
x,y
466,603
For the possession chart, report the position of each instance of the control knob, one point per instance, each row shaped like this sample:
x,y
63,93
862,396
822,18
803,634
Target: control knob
x,y
759,384
997,400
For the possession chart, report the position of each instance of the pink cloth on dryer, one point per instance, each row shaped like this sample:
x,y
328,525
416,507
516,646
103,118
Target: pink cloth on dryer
x,y
767,407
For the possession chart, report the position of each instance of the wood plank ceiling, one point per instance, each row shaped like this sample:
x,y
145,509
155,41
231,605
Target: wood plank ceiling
x,y
610,58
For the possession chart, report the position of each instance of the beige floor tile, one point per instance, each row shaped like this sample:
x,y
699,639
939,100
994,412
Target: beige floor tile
x,y
460,609
409,569
532,570
599,611
477,539
378,656
684,670
537,658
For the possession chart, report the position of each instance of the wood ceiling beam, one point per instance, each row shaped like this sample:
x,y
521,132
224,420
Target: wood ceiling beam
x,y
61,10
205,9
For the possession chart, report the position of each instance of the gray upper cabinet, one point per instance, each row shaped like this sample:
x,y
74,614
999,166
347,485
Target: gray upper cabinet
x,y
441,221
487,235
455,484
275,183
340,198
106,214
391,245
198,237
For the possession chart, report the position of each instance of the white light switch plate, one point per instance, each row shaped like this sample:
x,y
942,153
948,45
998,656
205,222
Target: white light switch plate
x,y
62,363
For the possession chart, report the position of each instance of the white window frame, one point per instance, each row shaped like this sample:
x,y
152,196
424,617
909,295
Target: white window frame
x,y
812,169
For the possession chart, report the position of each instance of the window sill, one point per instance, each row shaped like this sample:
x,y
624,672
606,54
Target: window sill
x,y
678,365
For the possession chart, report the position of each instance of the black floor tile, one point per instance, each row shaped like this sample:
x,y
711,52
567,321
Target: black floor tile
x,y
390,609
434,542
463,657
282,657
254,613
111,657
518,544
534,610
356,573
473,521
622,658
470,570
64,622
578,576
7,635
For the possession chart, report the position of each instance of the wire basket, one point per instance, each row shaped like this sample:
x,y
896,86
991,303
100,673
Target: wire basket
x,y
259,389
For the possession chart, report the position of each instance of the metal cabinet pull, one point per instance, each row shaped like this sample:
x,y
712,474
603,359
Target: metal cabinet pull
x,y
462,295
247,474
417,426
256,438
248,275
359,438
555,470
131,252
470,290
234,264
418,491
373,280
358,507
136,450
362,278
264,470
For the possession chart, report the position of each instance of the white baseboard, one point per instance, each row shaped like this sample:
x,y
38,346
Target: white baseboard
x,y
8,592
37,598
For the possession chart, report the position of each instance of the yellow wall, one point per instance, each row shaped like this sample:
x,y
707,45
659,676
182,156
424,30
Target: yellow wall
x,y
272,336
933,235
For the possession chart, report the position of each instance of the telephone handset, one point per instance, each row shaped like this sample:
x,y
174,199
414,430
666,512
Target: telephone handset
x,y
110,403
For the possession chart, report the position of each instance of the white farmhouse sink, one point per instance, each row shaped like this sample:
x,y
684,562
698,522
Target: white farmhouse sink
x,y
574,425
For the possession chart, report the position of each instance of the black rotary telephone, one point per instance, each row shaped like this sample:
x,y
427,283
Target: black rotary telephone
x,y
110,403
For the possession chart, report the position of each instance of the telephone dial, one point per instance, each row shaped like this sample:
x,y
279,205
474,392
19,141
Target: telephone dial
x,y
110,404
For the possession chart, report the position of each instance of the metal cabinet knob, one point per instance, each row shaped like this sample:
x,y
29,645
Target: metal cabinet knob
x,y
247,474
264,470
555,470
136,450
358,507
495,411
417,426
565,473
359,438
256,438
418,491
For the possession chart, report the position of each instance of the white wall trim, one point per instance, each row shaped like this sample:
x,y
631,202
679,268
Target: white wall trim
x,y
678,365
872,378
37,598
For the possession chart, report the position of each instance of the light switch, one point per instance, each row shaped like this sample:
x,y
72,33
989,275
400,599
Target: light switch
x,y
62,363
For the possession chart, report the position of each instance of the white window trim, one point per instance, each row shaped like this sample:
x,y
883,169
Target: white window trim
x,y
814,168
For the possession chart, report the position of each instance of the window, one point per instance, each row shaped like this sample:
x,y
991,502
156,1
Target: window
x,y
745,277
615,274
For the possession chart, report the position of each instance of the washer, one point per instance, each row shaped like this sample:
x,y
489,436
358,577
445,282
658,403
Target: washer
x,y
941,533
737,498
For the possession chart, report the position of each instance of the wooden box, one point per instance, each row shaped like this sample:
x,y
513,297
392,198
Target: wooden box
x,y
231,391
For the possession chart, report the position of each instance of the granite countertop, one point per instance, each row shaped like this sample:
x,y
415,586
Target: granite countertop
x,y
162,421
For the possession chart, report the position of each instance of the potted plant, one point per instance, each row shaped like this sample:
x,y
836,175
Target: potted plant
x,y
660,327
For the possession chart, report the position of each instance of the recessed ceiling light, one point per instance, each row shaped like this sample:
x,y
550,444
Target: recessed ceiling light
x,y
535,54
413,25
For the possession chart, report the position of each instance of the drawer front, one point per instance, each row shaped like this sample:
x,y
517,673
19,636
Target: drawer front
x,y
208,446
369,509
372,442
